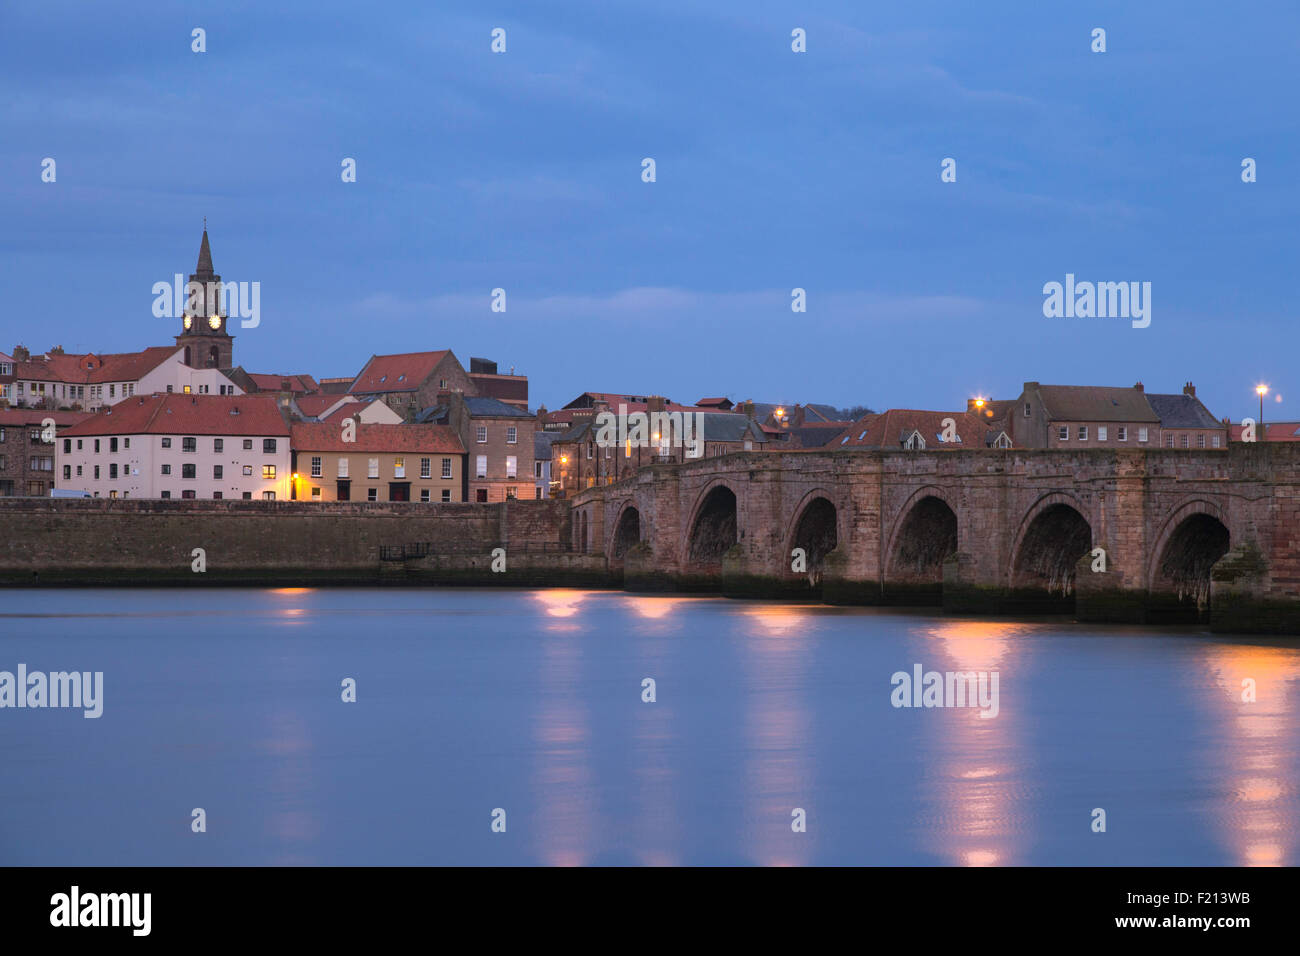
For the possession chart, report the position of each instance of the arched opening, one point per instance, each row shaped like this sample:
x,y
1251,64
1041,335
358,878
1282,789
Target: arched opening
x,y
1054,542
714,531
214,357
582,532
927,538
188,361
628,533
817,534
1184,569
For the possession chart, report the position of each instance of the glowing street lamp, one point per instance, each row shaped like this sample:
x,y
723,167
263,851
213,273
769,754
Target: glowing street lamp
x,y
1261,390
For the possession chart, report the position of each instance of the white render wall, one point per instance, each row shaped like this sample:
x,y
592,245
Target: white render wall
x,y
176,375
140,466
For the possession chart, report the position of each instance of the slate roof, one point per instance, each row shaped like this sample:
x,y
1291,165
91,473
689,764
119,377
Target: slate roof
x,y
1182,411
1095,403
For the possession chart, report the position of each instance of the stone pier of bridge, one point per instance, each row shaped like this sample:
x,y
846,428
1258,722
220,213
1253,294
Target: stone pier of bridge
x,y
1141,535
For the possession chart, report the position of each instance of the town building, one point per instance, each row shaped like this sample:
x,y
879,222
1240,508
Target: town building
x,y
911,429
424,463
411,381
179,446
1271,431
488,382
27,460
498,439
205,339
1090,416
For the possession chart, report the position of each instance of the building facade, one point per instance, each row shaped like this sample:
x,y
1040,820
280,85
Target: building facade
x,y
28,449
424,463
179,446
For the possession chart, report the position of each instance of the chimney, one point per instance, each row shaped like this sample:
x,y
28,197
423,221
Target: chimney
x,y
654,403
57,350
1140,387
284,385
21,354
747,408
1189,389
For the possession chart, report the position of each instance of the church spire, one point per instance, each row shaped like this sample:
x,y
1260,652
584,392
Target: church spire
x,y
204,267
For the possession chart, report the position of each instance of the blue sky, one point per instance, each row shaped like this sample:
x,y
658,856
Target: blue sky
x,y
775,170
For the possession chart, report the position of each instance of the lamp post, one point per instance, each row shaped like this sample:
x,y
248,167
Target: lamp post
x,y
1261,390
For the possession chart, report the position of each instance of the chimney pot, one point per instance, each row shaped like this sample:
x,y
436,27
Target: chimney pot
x,y
1140,387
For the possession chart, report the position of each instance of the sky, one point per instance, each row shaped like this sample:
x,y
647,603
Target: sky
x,y
774,170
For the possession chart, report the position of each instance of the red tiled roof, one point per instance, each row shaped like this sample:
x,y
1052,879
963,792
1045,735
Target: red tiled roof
x,y
323,436
890,429
397,373
313,405
267,382
14,417
176,414
91,368
1274,431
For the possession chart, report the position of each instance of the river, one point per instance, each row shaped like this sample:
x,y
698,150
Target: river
x,y
773,736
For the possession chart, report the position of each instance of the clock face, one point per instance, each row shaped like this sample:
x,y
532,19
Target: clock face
x,y
215,322
188,322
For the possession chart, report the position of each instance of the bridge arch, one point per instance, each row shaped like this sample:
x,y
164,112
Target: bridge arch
x,y
923,537
1191,540
627,531
815,528
712,530
1054,534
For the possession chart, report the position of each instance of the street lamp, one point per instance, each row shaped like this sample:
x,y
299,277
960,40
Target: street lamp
x,y
1261,390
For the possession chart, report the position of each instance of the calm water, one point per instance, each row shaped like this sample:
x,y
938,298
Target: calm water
x,y
531,702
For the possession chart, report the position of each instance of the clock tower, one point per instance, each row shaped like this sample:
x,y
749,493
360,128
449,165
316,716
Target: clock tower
x,y
204,337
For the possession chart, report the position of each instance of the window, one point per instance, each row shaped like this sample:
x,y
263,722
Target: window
x,y
424,494
590,449
67,472
315,494
216,496
1214,443
512,435
112,471
248,471
1027,413
480,466
248,444
2,438
112,391
1083,433
537,469
1183,440
268,496
67,446
1121,432
189,471
217,471
166,443
315,466
480,433
426,467
111,494
510,493
268,446
188,493
1101,433
189,444
480,495
1142,434
1063,433
126,443
539,494
372,468
2,464
512,466
166,469
446,468
164,494
914,442
185,389
1002,441
446,494
34,435
247,496
97,473
218,444
399,467
343,467
268,472
1169,440
372,494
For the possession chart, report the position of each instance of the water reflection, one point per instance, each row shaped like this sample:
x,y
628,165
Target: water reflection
x,y
1257,756
977,809
777,733
292,823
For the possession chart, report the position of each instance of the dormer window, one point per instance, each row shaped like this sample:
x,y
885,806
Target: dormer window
x,y
914,442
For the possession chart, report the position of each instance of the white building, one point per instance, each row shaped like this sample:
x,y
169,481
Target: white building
x,y
179,446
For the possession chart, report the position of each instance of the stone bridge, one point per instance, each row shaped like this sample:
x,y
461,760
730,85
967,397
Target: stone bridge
x,y
1142,535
